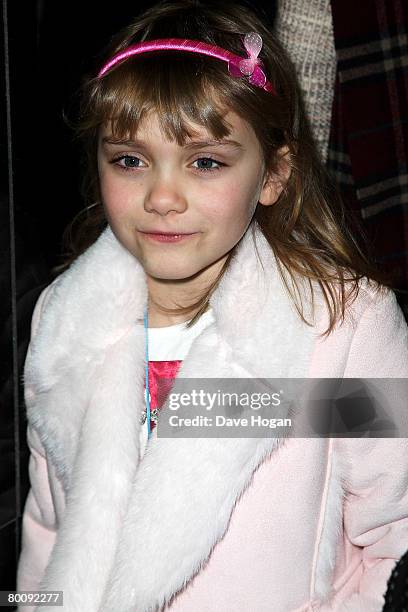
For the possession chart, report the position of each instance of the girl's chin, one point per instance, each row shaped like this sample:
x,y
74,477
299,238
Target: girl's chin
x,y
172,272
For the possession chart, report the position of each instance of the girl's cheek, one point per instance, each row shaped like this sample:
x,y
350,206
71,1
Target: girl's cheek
x,y
116,211
115,200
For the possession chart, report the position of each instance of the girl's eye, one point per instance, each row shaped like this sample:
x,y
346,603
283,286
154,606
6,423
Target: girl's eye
x,y
208,161
130,162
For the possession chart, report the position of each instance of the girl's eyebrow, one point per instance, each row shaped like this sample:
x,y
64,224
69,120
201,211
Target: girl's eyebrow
x,y
194,144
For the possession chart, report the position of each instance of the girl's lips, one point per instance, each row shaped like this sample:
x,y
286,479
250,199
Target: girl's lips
x,y
168,237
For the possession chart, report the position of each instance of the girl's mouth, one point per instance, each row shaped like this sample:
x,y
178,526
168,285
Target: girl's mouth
x,y
168,237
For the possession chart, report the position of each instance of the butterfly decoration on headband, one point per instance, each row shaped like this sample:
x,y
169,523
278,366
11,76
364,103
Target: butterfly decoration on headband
x,y
250,66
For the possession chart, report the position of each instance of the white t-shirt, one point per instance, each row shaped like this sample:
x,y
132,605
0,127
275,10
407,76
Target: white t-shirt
x,y
172,343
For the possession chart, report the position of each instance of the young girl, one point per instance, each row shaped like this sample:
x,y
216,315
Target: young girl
x,y
214,247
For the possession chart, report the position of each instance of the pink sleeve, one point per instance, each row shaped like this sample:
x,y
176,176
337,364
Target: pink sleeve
x,y
375,514
376,502
379,348
39,523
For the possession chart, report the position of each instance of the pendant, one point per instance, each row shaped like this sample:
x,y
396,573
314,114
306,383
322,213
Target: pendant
x,y
154,415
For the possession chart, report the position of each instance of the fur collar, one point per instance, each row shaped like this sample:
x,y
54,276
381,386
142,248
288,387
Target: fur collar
x,y
85,371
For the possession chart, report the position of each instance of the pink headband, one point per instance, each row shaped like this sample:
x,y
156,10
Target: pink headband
x,y
237,65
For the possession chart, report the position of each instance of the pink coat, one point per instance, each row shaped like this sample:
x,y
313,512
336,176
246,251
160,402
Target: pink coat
x,y
231,524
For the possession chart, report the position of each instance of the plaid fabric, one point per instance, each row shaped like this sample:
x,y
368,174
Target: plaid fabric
x,y
369,136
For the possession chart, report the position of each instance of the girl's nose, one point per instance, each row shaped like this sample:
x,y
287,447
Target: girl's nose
x,y
163,199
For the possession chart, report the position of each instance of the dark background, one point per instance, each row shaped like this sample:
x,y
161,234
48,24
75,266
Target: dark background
x,y
46,46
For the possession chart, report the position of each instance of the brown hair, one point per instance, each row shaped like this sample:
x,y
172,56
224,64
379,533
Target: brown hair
x,y
307,228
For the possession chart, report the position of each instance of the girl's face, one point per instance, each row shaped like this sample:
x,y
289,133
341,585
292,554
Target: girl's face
x,y
208,191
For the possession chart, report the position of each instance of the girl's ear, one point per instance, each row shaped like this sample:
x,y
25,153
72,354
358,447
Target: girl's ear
x,y
275,182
